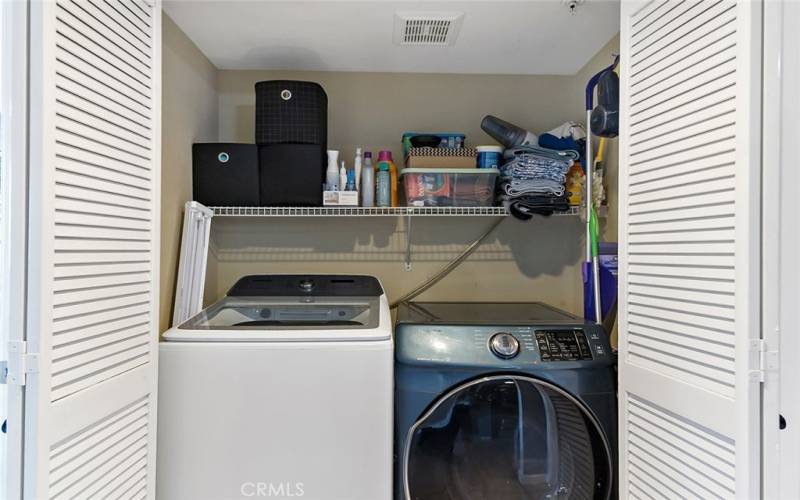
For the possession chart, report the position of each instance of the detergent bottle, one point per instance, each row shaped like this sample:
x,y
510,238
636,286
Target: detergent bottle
x,y
383,189
386,156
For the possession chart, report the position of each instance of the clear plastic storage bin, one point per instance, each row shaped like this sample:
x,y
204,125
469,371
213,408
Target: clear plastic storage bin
x,y
449,187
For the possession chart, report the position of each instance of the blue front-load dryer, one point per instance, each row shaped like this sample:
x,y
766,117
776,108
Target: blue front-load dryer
x,y
502,401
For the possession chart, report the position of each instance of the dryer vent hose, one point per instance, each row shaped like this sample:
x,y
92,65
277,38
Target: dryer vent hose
x,y
449,267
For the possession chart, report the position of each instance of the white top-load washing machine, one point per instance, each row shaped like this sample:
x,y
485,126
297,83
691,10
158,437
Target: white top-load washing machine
x,y
282,389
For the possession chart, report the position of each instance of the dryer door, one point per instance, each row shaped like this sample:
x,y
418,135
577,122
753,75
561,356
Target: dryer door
x,y
507,438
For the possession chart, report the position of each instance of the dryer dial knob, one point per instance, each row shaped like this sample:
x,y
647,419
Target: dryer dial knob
x,y
504,345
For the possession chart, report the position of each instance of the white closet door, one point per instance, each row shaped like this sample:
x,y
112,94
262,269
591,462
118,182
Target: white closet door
x,y
93,253
689,249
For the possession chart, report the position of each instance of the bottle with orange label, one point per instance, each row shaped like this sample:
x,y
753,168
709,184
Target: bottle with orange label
x,y
386,156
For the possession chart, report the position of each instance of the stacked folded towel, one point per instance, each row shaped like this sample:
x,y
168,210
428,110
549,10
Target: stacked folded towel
x,y
532,180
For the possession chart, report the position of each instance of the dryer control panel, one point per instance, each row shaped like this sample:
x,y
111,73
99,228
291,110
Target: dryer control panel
x,y
563,345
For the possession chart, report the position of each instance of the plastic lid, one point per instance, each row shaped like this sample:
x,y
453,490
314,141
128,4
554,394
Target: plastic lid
x,y
367,154
475,171
385,155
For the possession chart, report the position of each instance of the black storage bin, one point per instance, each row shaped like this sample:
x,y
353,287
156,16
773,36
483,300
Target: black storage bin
x,y
225,174
291,174
291,112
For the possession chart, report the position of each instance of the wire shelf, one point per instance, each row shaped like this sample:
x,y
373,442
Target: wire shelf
x,y
367,212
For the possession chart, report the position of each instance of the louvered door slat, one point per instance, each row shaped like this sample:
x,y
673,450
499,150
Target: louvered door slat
x,y
86,307
95,370
693,338
73,324
99,329
128,10
92,10
80,127
140,20
688,249
678,129
97,104
95,147
103,48
709,38
102,219
83,183
112,12
103,93
70,44
82,446
133,447
99,119
647,33
103,178
717,175
681,282
702,18
80,15
699,98
102,244
65,258
68,205
78,67
679,319
134,473
676,83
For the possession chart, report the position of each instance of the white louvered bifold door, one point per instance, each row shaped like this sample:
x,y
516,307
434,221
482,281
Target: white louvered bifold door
x,y
689,249
93,253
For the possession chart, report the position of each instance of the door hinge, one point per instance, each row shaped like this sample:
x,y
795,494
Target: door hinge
x,y
762,359
20,363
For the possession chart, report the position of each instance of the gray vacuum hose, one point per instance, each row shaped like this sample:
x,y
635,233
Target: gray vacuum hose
x,y
449,267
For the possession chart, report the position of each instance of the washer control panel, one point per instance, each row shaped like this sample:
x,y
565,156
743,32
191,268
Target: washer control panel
x,y
563,345
504,345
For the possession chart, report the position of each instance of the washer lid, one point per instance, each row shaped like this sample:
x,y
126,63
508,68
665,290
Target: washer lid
x,y
298,318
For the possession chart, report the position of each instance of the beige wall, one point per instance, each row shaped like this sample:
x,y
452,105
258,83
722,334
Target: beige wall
x,y
520,261
189,114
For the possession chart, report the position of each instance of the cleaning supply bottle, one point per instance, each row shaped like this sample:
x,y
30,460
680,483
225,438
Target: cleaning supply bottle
x,y
386,156
367,182
332,173
357,168
383,188
342,178
351,180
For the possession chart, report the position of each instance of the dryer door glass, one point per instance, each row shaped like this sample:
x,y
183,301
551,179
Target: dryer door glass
x,y
506,438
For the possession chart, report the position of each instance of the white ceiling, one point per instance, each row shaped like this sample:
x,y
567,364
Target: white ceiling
x,y
497,37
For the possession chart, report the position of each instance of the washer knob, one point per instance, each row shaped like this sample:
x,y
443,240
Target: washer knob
x,y
307,285
504,345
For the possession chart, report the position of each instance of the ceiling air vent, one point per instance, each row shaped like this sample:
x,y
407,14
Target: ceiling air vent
x,y
437,29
